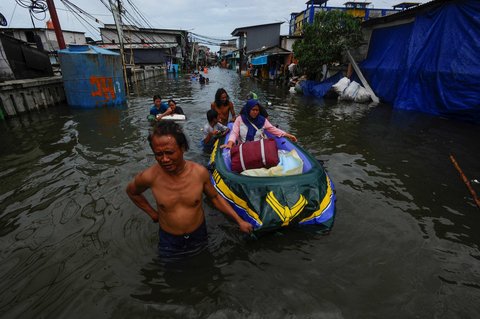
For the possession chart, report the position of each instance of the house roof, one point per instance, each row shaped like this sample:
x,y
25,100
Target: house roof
x,y
237,31
406,5
357,4
273,50
37,29
406,14
317,2
112,46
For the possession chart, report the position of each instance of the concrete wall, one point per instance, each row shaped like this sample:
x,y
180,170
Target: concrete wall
x,y
146,73
287,43
21,96
262,36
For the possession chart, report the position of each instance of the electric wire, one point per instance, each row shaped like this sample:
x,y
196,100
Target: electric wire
x,y
14,9
81,11
79,17
35,7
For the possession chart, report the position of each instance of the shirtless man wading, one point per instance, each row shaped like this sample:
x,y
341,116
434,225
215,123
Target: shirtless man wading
x,y
223,106
177,186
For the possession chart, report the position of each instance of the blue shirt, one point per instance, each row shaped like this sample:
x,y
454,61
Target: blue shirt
x,y
163,107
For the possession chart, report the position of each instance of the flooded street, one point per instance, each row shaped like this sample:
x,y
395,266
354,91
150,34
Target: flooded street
x,y
405,243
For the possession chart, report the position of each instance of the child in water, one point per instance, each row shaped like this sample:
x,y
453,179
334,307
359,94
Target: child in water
x,y
212,131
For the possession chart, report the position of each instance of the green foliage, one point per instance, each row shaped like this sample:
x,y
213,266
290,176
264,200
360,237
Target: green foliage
x,y
324,41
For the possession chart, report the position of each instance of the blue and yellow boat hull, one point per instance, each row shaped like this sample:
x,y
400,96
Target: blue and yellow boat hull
x,y
270,203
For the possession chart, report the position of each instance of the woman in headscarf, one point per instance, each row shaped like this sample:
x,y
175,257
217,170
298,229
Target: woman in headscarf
x,y
251,125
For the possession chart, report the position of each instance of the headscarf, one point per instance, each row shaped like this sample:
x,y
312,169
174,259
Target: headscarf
x,y
259,121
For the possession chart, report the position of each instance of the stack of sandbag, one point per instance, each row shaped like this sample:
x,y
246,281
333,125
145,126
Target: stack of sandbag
x,y
351,91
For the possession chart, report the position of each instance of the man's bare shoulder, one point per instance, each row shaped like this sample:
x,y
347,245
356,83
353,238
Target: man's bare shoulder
x,y
147,176
198,169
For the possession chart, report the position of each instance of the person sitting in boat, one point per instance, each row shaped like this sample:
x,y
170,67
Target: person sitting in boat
x,y
212,131
253,96
158,106
223,106
250,126
172,109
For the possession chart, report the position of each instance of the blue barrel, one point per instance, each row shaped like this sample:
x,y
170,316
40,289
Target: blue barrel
x,y
92,76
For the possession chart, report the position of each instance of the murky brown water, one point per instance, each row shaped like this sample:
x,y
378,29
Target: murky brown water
x,y
405,242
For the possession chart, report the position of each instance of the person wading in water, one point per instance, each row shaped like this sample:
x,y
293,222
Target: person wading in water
x,y
177,186
223,106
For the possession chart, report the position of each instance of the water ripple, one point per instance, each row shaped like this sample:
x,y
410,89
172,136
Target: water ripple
x,y
73,244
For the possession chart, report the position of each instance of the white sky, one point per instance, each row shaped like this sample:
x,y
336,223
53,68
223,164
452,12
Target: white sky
x,y
213,18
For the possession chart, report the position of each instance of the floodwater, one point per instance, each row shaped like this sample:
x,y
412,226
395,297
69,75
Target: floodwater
x,y
405,243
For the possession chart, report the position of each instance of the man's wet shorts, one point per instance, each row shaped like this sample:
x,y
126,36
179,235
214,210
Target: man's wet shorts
x,y
170,245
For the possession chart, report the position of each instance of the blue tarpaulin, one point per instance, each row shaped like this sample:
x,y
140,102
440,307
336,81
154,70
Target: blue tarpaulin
x,y
319,89
430,65
260,60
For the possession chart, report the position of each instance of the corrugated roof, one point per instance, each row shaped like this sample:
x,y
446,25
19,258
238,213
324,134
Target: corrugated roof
x,y
242,29
405,14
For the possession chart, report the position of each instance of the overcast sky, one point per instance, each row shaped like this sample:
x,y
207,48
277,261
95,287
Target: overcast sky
x,y
213,18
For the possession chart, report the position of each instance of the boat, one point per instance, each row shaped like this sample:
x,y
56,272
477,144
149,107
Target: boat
x,y
175,117
272,202
171,117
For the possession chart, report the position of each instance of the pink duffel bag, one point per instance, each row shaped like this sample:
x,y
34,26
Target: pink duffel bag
x,y
255,154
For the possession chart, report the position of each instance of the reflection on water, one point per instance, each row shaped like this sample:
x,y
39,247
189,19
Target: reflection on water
x,y
405,241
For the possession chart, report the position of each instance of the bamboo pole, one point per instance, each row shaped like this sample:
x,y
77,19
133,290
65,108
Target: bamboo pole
x,y
375,99
466,181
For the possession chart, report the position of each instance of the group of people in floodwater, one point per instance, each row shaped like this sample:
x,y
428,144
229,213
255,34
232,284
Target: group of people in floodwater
x,y
178,185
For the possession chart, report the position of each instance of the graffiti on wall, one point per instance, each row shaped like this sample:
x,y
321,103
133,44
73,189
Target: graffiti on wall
x,y
103,87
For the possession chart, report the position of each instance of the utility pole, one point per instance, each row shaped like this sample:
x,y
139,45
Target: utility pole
x,y
56,24
193,47
117,16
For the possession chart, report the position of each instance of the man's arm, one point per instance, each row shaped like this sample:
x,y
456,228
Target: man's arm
x,y
234,134
167,112
209,136
135,191
221,204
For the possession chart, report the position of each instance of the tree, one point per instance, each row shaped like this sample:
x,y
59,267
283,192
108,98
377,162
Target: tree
x,y
324,41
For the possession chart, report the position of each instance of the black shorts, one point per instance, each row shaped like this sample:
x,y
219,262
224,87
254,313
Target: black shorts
x,y
170,245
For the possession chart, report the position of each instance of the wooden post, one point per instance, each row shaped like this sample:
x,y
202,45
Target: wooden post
x,y
466,181
117,17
